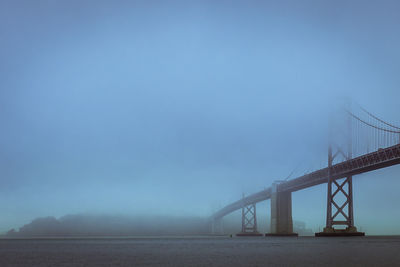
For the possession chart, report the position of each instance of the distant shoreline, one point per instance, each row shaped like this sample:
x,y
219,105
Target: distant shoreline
x,y
167,237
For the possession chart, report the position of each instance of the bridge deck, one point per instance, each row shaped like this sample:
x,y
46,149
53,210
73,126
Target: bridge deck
x,y
372,161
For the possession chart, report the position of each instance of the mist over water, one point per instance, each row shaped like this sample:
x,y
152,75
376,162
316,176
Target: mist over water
x,y
176,108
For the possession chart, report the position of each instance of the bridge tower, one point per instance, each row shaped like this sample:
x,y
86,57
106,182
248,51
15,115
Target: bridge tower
x,y
340,195
249,220
336,189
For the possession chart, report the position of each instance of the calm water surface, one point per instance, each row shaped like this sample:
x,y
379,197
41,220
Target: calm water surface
x,y
206,251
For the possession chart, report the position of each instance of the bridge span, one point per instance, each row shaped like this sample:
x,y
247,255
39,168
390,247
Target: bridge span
x,y
280,193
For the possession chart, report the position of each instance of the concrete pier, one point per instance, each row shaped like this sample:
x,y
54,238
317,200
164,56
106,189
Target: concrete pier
x,y
281,213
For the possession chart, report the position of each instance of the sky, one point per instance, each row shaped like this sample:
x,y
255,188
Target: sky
x,y
180,107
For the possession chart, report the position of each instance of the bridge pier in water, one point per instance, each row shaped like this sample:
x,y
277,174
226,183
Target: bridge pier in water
x,y
343,213
249,221
281,213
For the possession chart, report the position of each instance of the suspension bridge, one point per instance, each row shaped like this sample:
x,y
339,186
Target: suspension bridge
x,y
368,143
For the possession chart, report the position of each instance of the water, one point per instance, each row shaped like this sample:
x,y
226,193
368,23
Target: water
x,y
202,251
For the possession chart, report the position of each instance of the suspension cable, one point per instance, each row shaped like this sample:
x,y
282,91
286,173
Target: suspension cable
x,y
371,125
376,118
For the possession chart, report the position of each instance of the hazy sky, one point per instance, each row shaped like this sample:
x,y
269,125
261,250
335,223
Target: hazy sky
x,y
177,107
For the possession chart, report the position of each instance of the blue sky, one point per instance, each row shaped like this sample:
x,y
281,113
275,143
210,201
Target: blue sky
x,y
177,107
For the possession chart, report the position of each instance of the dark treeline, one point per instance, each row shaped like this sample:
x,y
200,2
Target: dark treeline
x,y
108,225
120,225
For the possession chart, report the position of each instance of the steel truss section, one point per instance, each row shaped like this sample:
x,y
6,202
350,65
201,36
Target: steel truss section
x,y
344,210
372,161
347,214
249,219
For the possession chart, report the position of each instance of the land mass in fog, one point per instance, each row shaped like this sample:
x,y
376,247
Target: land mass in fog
x,y
122,225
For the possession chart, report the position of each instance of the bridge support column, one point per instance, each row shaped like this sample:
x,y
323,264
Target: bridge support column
x,y
339,213
281,213
249,221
